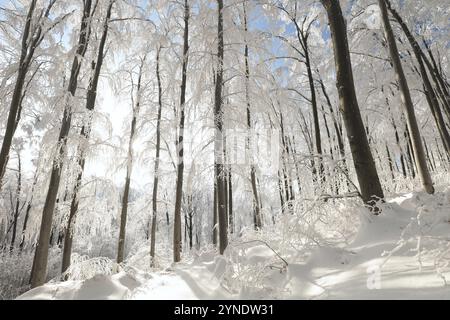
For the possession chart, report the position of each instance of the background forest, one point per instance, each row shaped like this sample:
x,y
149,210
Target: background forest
x,y
251,133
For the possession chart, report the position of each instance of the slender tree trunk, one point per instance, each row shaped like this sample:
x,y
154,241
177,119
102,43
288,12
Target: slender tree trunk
x,y
85,135
289,192
156,164
438,78
338,131
256,207
292,147
24,63
362,157
39,272
428,155
215,214
318,139
130,159
442,161
397,140
218,141
31,38
17,206
407,101
230,201
433,160
280,191
177,243
431,96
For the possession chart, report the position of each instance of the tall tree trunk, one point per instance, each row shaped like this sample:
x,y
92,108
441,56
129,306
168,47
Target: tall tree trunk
x,y
397,140
362,157
289,192
407,101
156,164
218,141
130,159
256,207
29,205
17,206
409,153
230,201
338,131
39,273
177,243
32,37
318,140
430,93
215,214
85,135
390,162
17,93
438,78
428,155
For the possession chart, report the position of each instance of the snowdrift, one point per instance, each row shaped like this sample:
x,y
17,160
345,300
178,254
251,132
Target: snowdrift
x,y
402,254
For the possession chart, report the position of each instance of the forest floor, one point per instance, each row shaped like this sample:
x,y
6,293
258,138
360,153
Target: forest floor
x,y
402,254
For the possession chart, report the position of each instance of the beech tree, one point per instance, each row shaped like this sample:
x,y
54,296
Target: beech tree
x,y
140,133
85,134
177,242
36,28
407,101
219,172
39,272
368,179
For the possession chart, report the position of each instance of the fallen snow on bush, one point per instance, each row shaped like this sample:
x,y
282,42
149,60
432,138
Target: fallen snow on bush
x,y
402,254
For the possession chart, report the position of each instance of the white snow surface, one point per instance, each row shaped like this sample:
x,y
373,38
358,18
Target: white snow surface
x,y
402,254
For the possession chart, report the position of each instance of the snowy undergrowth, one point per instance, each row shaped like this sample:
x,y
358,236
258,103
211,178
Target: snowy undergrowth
x,y
15,271
333,249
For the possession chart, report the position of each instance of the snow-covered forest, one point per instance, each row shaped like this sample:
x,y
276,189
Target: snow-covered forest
x,y
224,149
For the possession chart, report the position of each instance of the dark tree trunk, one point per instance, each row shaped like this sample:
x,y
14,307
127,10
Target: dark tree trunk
x,y
362,157
39,273
256,207
407,102
429,92
17,206
130,159
24,63
318,139
230,202
390,162
215,215
156,164
218,141
85,134
428,155
177,243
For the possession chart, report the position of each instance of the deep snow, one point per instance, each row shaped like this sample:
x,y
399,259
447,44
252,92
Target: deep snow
x,y
402,254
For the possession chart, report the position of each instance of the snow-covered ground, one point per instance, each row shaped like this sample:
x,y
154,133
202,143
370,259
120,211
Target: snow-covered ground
x,y
402,254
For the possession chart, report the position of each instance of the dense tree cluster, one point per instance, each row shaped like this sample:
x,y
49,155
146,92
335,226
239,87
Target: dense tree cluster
x,y
204,118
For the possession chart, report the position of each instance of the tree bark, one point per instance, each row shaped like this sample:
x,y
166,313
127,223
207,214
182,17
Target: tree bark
x,y
156,164
362,157
130,159
85,135
429,91
177,242
407,102
24,64
39,272
256,207
17,206
218,141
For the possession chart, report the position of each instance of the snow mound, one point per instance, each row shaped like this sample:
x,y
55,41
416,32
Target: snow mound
x,y
99,287
404,253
